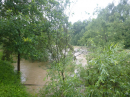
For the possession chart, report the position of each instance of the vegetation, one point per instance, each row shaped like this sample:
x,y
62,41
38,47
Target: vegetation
x,y
30,26
107,73
10,85
111,25
39,30
77,31
107,70
33,30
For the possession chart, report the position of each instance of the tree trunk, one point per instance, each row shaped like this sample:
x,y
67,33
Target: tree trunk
x,y
63,75
18,64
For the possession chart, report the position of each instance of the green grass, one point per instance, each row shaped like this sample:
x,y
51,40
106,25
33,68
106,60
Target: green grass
x,y
10,85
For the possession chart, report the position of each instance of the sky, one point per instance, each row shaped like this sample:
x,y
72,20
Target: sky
x,y
79,8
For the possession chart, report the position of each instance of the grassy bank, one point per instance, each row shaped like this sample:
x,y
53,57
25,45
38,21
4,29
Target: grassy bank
x,y
10,85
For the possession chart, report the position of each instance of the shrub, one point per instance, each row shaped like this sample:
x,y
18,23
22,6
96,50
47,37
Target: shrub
x,y
59,87
107,73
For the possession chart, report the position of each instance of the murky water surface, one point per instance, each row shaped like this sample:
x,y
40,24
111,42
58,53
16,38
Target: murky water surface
x,y
80,53
33,73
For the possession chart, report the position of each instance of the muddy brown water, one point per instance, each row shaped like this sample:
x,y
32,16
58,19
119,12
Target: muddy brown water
x,y
80,53
33,73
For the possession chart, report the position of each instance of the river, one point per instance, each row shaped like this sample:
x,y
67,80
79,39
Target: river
x,y
33,73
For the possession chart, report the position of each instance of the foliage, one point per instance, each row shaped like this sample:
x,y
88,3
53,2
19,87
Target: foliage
x,y
62,65
21,24
57,86
77,31
31,27
7,73
38,30
111,25
35,29
10,85
107,73
1,54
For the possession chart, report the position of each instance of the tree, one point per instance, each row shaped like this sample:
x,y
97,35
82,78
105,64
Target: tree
x,y
109,26
13,18
77,31
23,20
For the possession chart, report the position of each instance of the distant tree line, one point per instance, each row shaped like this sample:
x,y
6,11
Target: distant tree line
x,y
111,25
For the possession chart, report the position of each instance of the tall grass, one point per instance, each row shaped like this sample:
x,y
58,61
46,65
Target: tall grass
x,y
10,85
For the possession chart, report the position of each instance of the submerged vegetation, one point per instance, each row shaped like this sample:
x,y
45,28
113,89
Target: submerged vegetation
x,y
38,30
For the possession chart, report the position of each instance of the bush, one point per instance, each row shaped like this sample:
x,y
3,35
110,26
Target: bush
x,y
59,87
107,73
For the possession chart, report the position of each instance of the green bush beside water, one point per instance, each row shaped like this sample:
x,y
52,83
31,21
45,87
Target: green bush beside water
x,y
107,73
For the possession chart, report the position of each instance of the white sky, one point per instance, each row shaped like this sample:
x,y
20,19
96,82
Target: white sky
x,y
81,7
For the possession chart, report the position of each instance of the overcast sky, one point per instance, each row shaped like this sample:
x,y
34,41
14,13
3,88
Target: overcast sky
x,y
81,7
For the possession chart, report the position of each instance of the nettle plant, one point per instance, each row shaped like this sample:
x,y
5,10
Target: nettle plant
x,y
107,73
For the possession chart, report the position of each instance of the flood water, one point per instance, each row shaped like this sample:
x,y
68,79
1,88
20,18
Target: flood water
x,y
33,73
80,53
